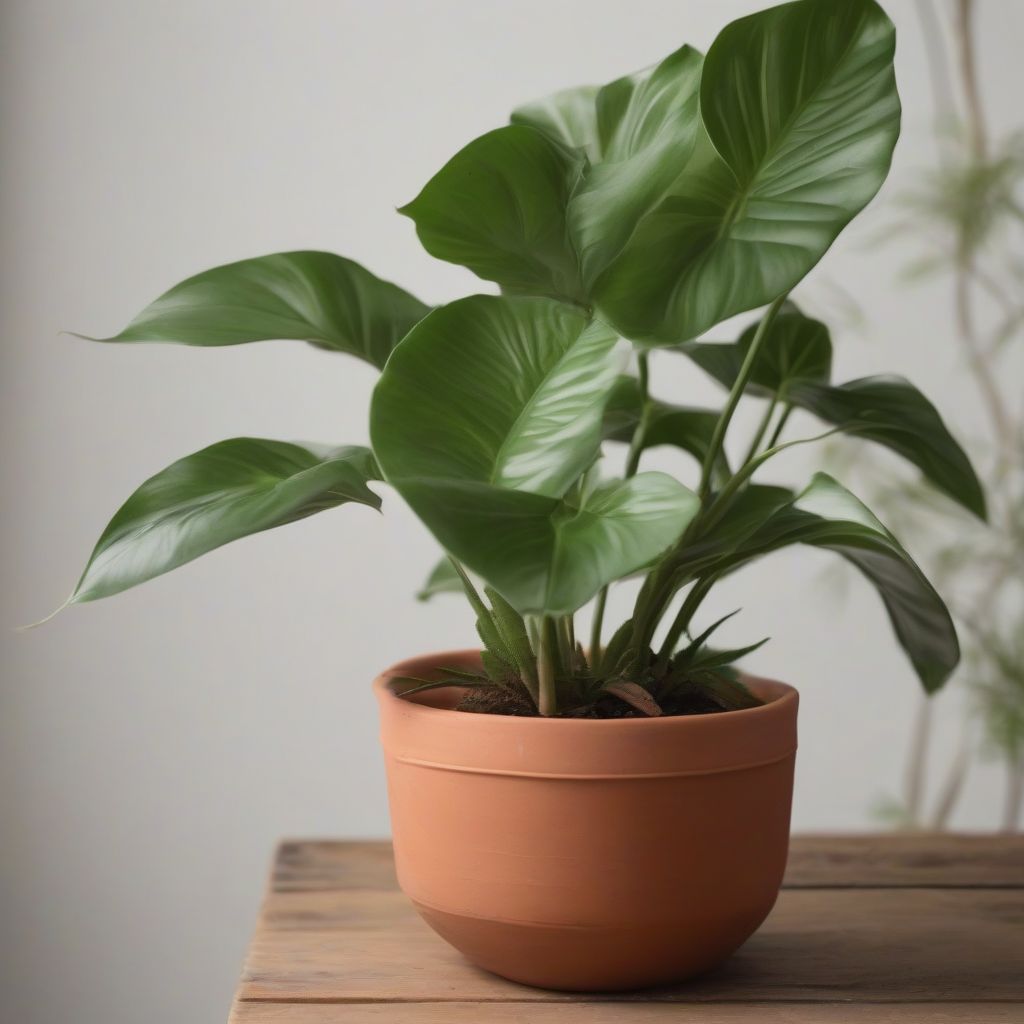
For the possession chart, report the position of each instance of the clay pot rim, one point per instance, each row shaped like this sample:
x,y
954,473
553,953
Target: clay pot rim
x,y
778,696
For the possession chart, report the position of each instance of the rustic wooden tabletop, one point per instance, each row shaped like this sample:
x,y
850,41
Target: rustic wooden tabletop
x,y
867,929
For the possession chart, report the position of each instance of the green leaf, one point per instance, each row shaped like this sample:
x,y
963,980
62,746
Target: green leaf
x,y
794,364
826,515
800,116
216,495
637,133
443,579
890,411
795,347
681,426
547,555
568,117
499,206
504,391
318,297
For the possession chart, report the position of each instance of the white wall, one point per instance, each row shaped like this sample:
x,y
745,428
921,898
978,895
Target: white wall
x,y
154,747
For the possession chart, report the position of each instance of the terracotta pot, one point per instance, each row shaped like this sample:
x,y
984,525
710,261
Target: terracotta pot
x,y
588,855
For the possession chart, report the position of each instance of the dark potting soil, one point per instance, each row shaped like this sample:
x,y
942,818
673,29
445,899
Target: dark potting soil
x,y
501,700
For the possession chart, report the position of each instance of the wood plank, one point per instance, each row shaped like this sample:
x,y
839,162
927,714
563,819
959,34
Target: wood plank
x,y
863,945
919,859
622,1013
932,859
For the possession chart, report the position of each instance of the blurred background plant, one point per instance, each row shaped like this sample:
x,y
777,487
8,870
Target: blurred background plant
x,y
966,219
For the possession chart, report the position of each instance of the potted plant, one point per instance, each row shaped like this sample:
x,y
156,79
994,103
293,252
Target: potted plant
x,y
611,814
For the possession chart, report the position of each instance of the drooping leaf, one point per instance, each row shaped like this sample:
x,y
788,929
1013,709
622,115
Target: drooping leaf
x,y
219,494
504,391
443,579
684,427
890,411
547,555
794,364
826,515
331,302
499,207
799,119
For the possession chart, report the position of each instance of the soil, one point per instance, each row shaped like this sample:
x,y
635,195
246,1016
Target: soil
x,y
501,700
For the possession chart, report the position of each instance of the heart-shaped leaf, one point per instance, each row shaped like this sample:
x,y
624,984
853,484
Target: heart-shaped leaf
x,y
800,116
499,206
826,515
219,494
548,555
318,297
504,391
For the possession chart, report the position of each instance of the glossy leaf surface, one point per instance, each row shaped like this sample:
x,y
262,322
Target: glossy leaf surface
x,y
548,555
216,495
504,391
800,116
318,297
826,515
637,133
499,207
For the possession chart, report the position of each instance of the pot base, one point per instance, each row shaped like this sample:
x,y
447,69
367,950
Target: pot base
x,y
587,959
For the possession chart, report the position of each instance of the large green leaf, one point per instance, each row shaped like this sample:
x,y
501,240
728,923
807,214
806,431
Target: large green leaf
x,y
487,418
549,555
637,133
826,515
443,579
499,206
794,363
318,297
800,116
224,492
505,391
680,426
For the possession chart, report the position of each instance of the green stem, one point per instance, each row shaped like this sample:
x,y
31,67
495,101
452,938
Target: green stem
x,y
738,387
682,620
595,629
547,652
762,429
780,426
481,609
636,448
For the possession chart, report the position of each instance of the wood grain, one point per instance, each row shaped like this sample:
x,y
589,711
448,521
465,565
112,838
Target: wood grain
x,y
868,928
621,1013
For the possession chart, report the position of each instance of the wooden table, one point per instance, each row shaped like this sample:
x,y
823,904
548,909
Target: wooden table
x,y
867,929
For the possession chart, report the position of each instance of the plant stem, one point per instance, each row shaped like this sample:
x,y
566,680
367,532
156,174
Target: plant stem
x,y
475,599
738,387
636,448
547,652
780,426
762,429
682,620
595,629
